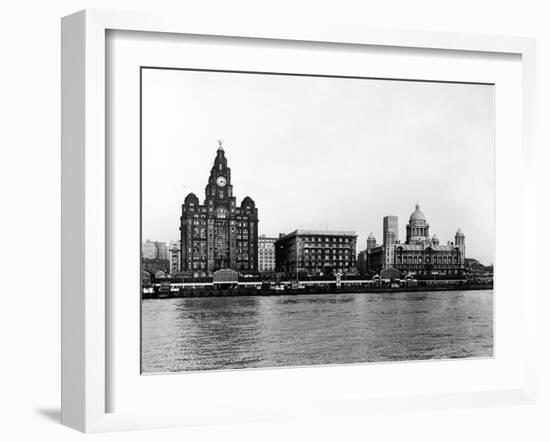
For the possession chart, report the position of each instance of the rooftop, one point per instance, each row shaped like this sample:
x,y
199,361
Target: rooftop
x,y
303,232
266,238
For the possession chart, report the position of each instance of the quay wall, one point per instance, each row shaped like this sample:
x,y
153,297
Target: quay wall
x,y
331,289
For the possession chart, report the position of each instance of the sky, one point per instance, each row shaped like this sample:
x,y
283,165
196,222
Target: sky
x,y
318,153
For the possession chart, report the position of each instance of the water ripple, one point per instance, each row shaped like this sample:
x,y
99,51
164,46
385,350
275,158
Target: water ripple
x,y
240,332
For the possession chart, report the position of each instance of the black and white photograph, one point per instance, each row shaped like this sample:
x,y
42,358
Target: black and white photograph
x,y
275,221
304,220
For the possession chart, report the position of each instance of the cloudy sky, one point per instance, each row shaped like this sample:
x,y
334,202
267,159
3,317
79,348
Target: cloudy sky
x,y
318,153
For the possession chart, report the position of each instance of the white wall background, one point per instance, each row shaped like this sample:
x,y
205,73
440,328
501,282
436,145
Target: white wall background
x,y
30,219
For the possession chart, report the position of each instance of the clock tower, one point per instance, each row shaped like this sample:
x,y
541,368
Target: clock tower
x,y
219,188
218,234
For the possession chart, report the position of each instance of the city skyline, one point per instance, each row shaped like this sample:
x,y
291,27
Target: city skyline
x,y
316,167
379,239
360,246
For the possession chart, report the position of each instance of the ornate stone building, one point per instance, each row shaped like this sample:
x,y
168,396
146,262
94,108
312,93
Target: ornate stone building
x,y
218,234
420,254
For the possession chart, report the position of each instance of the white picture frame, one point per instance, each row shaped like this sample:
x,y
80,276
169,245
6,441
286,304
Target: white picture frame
x,y
85,210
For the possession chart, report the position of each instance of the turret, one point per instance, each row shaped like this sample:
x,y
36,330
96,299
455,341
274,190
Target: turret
x,y
460,238
191,202
371,242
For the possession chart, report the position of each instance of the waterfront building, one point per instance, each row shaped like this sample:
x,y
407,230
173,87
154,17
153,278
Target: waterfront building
x,y
371,241
419,255
316,252
154,250
390,229
266,254
475,268
219,233
145,277
162,250
148,249
363,256
154,265
361,262
174,254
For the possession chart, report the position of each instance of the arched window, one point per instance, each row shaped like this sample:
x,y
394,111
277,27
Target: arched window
x,y
221,212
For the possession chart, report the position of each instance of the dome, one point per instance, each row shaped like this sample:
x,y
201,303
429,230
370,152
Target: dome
x,y
417,215
435,238
371,236
459,233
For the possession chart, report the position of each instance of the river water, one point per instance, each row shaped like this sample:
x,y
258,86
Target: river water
x,y
271,331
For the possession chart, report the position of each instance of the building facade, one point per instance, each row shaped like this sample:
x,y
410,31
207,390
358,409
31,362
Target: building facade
x,y
390,229
316,252
218,234
420,254
174,255
363,255
362,266
154,250
154,265
266,254
148,250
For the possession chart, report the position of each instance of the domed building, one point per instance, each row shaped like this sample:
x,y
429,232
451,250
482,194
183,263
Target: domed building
x,y
371,241
418,229
218,234
419,255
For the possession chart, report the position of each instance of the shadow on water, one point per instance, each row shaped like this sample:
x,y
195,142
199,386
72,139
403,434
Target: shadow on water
x,y
314,300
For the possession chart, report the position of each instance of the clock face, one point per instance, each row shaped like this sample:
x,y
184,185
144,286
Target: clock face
x,y
221,181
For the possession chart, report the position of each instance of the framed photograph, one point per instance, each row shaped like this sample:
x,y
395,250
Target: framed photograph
x,y
262,222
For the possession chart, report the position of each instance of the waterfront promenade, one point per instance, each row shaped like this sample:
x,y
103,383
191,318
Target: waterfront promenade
x,y
289,287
